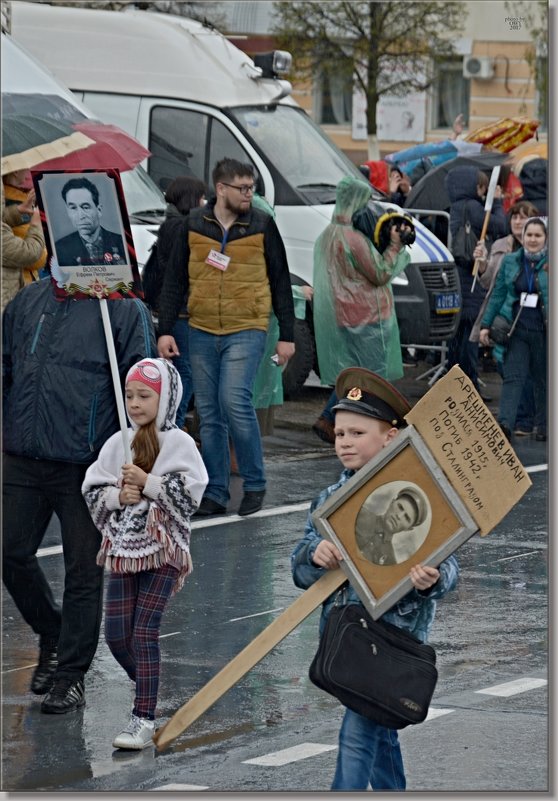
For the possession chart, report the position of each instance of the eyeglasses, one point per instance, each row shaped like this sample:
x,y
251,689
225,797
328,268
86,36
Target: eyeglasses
x,y
244,189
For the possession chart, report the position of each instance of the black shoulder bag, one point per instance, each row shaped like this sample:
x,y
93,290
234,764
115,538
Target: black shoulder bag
x,y
464,242
374,668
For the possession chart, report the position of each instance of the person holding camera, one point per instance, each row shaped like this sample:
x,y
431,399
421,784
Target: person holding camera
x,y
355,259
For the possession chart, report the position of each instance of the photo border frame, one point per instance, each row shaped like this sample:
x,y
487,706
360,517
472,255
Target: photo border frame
x,y
132,287
396,577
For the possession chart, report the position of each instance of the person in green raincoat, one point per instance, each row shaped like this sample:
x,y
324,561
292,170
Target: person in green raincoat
x,y
355,323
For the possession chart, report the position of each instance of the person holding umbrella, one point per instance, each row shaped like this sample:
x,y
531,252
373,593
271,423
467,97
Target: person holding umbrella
x,y
19,252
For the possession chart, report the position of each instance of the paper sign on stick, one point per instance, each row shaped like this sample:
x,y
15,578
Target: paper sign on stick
x,y
471,449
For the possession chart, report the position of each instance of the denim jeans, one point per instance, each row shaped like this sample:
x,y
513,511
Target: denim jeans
x,y
182,364
223,371
526,355
368,754
33,490
327,411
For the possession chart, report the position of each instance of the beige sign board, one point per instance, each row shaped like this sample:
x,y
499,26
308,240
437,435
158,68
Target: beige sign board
x,y
471,449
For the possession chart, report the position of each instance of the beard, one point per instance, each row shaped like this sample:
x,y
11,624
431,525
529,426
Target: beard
x,y
237,206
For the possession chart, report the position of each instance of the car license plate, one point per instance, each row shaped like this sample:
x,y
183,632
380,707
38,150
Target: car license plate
x,y
448,302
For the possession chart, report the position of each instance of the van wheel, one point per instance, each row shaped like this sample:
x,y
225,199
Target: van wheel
x,y
299,367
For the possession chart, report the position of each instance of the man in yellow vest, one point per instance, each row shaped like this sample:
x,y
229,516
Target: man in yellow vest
x,y
232,269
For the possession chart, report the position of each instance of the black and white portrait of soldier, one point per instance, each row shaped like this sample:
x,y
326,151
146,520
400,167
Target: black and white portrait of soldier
x,y
90,242
393,522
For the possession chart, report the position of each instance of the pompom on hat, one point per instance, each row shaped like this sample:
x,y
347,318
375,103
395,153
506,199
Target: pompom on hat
x,y
147,373
364,392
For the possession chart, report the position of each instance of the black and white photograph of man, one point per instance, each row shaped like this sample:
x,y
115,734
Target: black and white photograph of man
x,y
393,522
90,242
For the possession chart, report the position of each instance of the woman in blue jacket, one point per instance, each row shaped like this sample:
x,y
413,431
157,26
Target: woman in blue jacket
x,y
522,288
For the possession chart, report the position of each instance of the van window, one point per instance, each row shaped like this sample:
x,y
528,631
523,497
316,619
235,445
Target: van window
x,y
185,142
298,149
178,142
223,143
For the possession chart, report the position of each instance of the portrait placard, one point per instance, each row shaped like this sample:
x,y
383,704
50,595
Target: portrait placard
x,y
470,448
396,511
88,234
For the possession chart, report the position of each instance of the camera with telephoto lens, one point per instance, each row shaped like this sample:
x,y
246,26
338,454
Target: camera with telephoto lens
x,y
376,222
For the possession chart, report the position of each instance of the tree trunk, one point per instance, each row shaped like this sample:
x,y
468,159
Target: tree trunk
x,y
373,147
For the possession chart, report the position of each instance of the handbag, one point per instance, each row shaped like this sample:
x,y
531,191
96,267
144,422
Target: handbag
x,y
500,330
374,668
464,242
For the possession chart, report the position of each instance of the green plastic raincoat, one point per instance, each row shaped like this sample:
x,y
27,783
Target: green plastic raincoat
x,y
354,316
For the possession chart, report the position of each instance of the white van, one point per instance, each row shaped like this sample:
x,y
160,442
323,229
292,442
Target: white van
x,y
192,97
22,73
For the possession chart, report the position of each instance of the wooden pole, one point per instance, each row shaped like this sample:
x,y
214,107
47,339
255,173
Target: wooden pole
x,y
116,380
487,208
248,657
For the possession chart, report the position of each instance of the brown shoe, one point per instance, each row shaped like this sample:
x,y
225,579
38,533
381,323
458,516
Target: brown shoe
x,y
324,430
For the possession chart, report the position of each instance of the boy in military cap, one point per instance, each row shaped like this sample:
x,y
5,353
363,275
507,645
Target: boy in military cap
x,y
369,414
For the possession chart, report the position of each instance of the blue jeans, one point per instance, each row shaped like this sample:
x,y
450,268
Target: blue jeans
x,y
526,355
34,489
223,371
182,364
327,411
368,754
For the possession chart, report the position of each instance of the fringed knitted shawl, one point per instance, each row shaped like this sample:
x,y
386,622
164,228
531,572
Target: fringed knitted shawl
x,y
155,531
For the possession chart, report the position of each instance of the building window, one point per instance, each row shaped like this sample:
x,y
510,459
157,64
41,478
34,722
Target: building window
x,y
333,99
451,94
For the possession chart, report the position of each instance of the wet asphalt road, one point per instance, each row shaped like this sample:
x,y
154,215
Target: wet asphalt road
x,y
491,631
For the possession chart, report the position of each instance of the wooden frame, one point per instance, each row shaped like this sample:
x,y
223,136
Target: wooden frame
x,y
116,274
357,519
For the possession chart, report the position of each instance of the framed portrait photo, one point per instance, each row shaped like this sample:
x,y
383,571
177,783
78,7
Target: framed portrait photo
x,y
88,233
396,511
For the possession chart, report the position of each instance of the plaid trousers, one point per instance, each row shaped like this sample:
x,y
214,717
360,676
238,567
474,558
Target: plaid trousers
x,y
134,606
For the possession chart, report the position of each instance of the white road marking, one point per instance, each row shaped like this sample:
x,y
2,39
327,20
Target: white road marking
x,y
170,634
437,712
271,512
517,556
256,614
288,755
513,687
193,787
23,667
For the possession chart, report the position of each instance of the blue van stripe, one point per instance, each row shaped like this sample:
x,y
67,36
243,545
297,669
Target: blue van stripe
x,y
434,253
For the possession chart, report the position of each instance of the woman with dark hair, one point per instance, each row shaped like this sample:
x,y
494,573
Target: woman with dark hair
x,y
489,265
520,295
182,194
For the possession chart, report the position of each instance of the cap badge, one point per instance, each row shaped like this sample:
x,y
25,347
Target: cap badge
x,y
354,394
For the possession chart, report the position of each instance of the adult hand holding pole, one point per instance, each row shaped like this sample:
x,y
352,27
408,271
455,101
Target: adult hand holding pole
x,y
487,209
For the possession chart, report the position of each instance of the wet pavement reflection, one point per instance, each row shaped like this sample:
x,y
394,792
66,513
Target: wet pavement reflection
x,y
494,628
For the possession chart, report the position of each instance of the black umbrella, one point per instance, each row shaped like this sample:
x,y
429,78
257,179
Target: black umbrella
x,y
29,139
52,107
430,191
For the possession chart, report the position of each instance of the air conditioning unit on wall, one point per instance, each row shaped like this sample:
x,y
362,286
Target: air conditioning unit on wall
x,y
479,67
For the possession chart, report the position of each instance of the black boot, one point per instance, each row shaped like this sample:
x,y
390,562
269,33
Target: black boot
x,y
45,670
66,694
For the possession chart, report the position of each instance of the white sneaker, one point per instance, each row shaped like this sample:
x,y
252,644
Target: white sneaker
x,y
137,735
